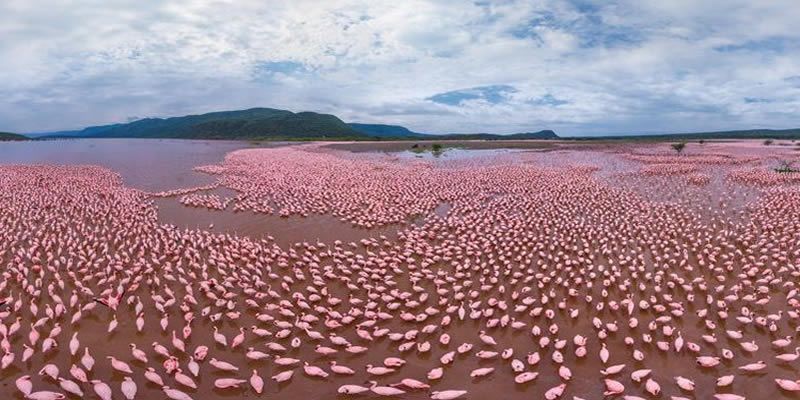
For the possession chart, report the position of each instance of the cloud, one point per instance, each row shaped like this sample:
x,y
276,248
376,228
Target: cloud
x,y
576,66
793,80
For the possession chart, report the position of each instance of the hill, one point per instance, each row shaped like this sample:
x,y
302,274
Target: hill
x,y
540,135
385,131
735,134
8,136
396,132
254,123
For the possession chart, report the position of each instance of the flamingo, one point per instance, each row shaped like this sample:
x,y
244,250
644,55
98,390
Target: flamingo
x,y
384,390
257,382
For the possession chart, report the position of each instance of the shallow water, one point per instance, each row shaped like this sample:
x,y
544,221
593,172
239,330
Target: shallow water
x,y
147,164
490,217
285,231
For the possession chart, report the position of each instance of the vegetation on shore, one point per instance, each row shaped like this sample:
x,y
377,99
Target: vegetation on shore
x,y
785,167
678,147
437,149
8,136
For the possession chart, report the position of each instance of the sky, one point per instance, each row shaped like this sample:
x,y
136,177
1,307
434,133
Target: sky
x,y
579,67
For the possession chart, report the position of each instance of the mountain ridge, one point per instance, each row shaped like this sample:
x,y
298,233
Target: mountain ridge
x,y
385,130
792,133
269,124
275,124
253,123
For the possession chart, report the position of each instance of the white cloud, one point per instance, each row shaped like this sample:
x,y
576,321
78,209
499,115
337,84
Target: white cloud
x,y
601,67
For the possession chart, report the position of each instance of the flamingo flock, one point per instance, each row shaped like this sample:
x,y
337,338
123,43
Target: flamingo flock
x,y
630,274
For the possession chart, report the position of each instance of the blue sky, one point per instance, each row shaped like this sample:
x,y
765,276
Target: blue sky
x,y
580,67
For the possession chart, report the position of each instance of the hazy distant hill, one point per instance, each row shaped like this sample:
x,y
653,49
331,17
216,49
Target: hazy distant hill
x,y
400,132
541,135
385,131
737,134
255,123
8,136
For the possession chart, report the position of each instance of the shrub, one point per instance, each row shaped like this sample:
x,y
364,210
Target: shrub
x,y
785,168
678,147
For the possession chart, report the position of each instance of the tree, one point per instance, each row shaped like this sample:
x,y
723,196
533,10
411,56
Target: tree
x,y
678,147
785,167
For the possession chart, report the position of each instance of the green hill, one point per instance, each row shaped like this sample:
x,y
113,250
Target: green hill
x,y
8,136
254,124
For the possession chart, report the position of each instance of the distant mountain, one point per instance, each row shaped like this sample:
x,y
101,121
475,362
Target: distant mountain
x,y
736,134
546,134
400,132
254,123
385,131
8,136
541,135
275,124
